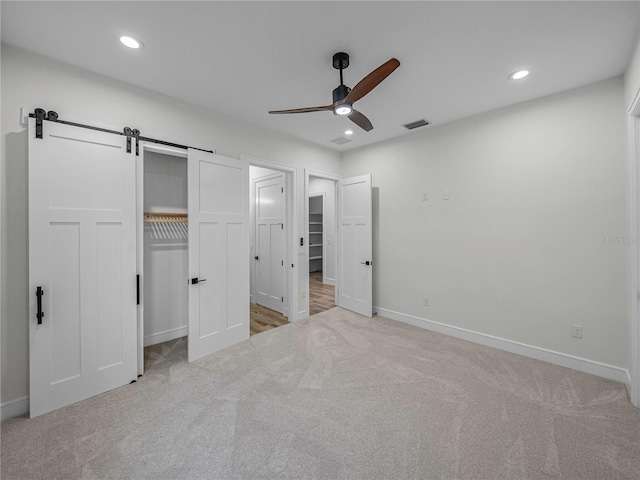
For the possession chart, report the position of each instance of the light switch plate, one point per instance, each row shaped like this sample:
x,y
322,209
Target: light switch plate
x,y
24,117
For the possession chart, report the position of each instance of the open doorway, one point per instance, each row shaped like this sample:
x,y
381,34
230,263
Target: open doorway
x,y
321,239
163,250
271,211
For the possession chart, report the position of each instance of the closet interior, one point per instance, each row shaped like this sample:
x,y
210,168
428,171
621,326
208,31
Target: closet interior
x,y
165,252
321,199
316,229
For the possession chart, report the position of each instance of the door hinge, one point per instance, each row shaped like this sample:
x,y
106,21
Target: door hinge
x,y
281,189
138,289
282,263
282,226
282,299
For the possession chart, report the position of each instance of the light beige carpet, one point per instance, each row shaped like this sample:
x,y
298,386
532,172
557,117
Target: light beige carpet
x,y
338,396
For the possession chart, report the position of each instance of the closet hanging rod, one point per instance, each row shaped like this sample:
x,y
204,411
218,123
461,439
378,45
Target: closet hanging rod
x,y
164,217
51,116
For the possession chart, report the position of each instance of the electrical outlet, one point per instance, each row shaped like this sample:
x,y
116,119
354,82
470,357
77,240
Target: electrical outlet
x,y
445,196
576,331
425,301
425,196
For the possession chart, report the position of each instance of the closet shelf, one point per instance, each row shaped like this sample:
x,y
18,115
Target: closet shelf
x,y
315,245
315,258
164,217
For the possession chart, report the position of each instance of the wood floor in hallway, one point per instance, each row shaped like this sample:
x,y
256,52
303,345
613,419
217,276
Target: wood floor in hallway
x,y
321,298
263,319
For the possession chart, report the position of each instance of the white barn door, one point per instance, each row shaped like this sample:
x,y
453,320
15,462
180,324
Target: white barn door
x,y
218,252
269,208
82,257
355,262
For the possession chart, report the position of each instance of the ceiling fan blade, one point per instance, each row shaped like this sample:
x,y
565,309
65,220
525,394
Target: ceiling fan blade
x,y
372,80
304,110
360,120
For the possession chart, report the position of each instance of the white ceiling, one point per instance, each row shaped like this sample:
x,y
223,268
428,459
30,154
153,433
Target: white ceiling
x,y
246,58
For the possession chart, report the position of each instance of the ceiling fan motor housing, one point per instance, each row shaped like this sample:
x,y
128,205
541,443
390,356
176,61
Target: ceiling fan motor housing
x,y
340,93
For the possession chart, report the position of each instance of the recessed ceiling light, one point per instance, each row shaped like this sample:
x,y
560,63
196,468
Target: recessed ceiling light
x,y
519,74
130,42
348,132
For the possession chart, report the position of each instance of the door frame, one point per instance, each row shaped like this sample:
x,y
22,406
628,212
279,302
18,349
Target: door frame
x,y
290,232
326,176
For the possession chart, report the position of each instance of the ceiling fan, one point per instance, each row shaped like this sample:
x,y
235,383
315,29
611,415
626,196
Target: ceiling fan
x,y
344,97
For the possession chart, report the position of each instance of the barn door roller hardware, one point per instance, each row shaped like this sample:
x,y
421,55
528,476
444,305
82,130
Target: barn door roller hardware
x,y
135,133
40,115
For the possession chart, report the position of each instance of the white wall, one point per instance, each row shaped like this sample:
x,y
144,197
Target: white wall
x,y
31,81
328,187
166,261
526,245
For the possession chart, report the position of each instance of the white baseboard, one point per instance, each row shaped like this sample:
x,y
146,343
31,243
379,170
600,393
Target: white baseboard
x,y
329,281
564,360
14,408
165,336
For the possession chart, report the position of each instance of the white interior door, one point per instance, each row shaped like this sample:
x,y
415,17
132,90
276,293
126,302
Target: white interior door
x,y
82,255
355,264
269,251
218,252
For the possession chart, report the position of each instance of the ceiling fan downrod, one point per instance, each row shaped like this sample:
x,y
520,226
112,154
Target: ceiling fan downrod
x,y
340,62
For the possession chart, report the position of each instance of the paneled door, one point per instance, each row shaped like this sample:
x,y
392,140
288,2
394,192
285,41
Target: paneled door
x,y
218,252
82,264
269,251
355,263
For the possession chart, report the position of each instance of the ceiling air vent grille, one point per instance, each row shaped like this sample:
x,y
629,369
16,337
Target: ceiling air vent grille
x,y
418,123
340,140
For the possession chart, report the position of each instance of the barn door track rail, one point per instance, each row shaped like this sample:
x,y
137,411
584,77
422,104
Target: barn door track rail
x,y
41,115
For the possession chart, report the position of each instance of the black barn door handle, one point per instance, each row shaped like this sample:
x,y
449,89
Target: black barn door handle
x,y
39,294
